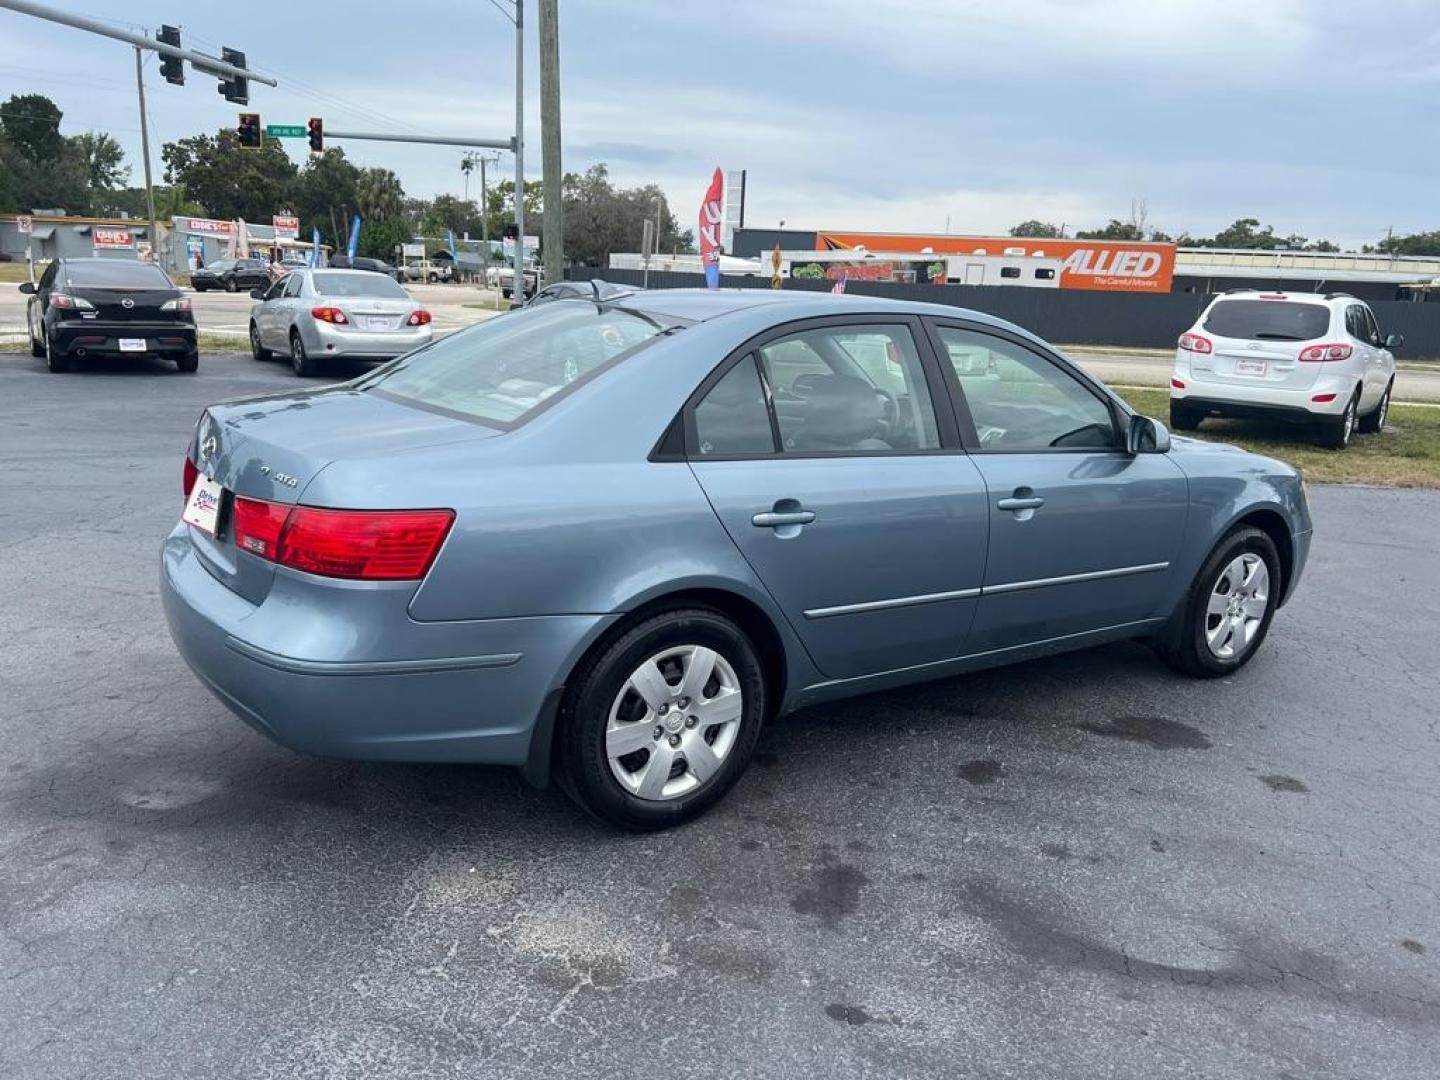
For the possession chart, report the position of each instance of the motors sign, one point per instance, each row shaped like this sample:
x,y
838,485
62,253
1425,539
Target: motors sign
x,y
1107,265
114,239
286,227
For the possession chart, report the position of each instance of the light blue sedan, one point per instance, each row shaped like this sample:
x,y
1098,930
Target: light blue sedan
x,y
608,539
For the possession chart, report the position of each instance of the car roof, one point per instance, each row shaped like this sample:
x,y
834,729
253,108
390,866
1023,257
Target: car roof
x,y
700,305
1318,299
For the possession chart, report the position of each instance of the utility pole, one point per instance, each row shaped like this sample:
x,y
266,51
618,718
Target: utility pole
x,y
517,284
145,153
553,239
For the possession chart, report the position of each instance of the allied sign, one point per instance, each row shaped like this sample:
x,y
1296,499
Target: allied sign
x,y
25,223
114,239
285,131
1107,265
286,227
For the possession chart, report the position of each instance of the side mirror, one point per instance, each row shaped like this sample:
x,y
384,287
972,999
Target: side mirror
x,y
1394,341
1147,436
28,287
257,294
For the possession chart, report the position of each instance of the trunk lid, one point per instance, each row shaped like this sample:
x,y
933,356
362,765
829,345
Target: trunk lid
x,y
374,314
271,447
110,302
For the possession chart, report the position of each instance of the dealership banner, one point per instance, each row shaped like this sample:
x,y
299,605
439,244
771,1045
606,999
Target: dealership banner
x,y
711,213
114,239
286,227
1108,265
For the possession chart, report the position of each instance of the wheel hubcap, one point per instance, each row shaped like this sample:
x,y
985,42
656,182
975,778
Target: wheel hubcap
x,y
1237,606
674,722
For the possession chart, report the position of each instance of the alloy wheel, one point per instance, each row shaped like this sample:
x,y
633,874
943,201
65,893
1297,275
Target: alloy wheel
x,y
1238,602
674,722
1348,422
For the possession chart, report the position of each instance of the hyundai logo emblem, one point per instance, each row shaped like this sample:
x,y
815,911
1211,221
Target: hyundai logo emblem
x,y
127,302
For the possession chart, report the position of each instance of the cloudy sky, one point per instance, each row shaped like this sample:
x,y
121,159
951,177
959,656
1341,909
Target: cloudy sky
x,y
1315,116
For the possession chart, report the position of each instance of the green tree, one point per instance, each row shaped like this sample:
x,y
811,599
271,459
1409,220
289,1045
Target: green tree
x,y
1039,230
229,180
379,237
446,212
324,195
1424,243
378,194
105,167
1245,233
31,123
601,219
1115,230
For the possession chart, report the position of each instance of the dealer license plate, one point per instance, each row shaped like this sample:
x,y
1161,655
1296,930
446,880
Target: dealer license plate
x,y
378,324
202,509
1250,367
132,344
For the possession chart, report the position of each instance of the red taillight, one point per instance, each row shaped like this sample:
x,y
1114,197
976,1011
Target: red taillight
x,y
187,478
418,317
1323,399
69,303
1197,343
1272,296
1316,354
257,526
1177,384
330,315
367,545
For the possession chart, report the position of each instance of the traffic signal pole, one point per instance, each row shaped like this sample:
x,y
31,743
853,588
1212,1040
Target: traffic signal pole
x,y
145,155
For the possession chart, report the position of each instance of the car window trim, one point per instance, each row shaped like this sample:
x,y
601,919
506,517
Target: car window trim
x,y
1120,413
950,439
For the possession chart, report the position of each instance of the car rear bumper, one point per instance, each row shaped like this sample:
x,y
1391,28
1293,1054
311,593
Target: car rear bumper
x,y
455,691
1264,402
96,338
325,339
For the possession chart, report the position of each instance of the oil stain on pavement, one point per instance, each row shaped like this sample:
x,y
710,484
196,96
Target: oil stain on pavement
x,y
1154,731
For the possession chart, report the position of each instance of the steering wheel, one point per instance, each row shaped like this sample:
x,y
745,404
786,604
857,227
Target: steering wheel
x,y
890,425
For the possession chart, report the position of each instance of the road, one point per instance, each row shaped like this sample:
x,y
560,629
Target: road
x,y
1080,867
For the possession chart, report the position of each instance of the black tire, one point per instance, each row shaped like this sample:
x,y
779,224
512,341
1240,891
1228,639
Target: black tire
x,y
1336,434
37,348
189,363
57,362
1373,422
198,288
258,351
1184,643
300,360
582,765
1183,419
231,285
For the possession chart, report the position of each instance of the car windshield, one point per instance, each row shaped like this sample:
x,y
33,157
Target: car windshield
x,y
1268,320
120,272
505,368
375,285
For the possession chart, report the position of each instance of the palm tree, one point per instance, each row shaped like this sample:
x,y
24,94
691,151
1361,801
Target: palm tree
x,y
378,194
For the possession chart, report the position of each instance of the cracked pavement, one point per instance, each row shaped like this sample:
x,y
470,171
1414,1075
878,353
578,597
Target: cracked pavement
x,y
1081,867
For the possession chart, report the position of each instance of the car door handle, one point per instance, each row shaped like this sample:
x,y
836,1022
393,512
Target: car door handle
x,y
772,519
1032,502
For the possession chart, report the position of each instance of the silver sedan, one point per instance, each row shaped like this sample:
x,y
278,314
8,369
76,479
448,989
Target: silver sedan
x,y
315,315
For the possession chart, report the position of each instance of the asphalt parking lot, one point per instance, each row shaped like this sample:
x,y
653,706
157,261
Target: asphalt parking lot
x,y
1080,867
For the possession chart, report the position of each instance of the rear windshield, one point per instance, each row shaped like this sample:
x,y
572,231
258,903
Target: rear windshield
x,y
135,275
507,367
1268,320
359,285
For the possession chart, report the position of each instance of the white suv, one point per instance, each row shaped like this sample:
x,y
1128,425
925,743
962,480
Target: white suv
x,y
1293,356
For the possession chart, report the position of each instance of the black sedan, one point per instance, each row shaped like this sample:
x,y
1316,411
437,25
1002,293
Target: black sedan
x,y
108,308
232,275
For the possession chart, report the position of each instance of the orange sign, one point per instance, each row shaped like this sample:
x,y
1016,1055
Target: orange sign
x,y
1111,265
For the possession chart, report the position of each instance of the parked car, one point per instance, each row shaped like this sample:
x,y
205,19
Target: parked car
x,y
232,275
106,308
612,540
316,315
503,278
1318,359
360,262
591,289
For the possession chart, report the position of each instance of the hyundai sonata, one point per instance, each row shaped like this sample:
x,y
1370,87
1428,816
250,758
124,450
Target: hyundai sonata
x,y
609,539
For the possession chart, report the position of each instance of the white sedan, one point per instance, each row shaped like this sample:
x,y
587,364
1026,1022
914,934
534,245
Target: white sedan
x,y
314,315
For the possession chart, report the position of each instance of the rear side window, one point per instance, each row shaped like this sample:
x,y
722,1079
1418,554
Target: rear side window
x,y
732,417
1268,320
117,272
372,285
503,370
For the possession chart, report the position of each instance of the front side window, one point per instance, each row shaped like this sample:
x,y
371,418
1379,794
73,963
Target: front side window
x,y
502,370
293,283
273,293
1021,402
849,389
1372,328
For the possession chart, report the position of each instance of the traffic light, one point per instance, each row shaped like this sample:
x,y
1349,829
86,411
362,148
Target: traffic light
x,y
249,130
236,89
171,67
315,130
